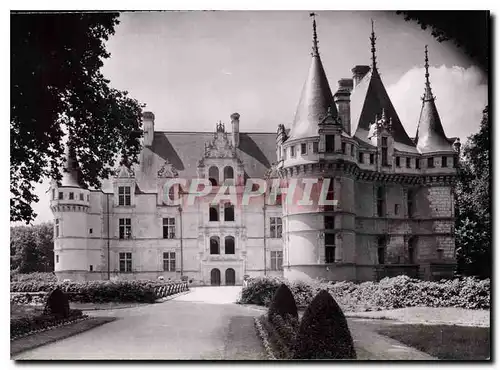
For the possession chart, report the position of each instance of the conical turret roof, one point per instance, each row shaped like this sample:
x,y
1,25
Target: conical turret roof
x,y
377,100
430,134
70,173
316,100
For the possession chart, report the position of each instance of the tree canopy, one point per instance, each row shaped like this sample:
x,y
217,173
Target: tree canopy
x,y
467,29
473,204
32,248
57,86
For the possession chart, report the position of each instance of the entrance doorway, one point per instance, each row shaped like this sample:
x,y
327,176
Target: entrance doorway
x,y
230,277
215,277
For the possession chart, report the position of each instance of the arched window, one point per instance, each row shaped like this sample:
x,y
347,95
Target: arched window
x,y
381,242
214,245
412,250
229,245
228,212
213,175
214,213
228,173
172,193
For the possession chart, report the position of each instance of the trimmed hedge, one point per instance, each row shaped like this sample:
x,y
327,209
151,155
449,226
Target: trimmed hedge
x,y
57,304
389,293
283,304
323,331
25,325
33,276
106,291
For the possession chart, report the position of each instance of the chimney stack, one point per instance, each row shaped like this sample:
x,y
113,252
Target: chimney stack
x,y
235,129
148,122
358,72
343,100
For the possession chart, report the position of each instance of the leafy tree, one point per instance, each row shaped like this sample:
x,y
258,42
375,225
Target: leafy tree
x,y
467,29
57,86
473,204
32,248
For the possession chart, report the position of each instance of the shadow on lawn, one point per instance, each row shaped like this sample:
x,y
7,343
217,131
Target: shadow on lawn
x,y
446,342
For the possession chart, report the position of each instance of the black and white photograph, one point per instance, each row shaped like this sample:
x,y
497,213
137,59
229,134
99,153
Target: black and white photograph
x,y
250,185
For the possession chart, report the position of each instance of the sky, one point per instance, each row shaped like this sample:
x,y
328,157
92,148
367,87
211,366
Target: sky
x,y
193,69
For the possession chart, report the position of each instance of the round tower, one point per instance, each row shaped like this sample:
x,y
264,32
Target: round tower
x,y
318,163
70,203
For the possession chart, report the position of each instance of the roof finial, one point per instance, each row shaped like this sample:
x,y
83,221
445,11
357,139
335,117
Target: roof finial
x,y
428,92
374,57
315,51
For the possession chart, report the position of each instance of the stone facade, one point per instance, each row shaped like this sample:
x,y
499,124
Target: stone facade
x,y
394,212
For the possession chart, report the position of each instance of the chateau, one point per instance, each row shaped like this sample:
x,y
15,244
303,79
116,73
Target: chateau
x,y
394,211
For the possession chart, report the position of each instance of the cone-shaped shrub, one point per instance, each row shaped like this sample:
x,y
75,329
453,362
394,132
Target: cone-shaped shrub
x,y
57,304
283,304
323,331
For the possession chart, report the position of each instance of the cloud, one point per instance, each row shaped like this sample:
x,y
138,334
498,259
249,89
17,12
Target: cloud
x,y
226,72
461,95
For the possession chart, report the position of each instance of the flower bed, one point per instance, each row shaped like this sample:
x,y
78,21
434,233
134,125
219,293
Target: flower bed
x,y
100,291
31,298
389,293
22,326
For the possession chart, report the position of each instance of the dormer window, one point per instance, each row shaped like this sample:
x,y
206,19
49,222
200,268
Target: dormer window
x,y
124,196
329,143
228,173
213,175
303,148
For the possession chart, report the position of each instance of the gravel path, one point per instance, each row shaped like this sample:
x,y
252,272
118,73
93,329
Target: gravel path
x,y
183,328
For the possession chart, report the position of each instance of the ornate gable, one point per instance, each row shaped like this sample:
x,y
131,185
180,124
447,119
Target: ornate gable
x,y
220,146
124,172
167,170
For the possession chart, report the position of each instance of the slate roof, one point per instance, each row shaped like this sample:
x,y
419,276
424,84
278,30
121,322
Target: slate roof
x,y
70,173
316,99
375,100
183,150
430,134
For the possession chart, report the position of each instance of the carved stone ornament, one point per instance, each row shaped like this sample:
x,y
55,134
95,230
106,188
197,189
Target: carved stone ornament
x,y
124,172
272,172
220,146
382,124
167,170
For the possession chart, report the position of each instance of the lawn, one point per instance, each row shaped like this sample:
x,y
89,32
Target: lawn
x,y
446,342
